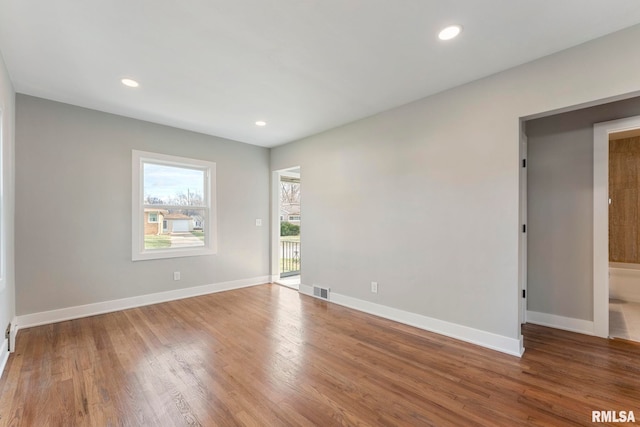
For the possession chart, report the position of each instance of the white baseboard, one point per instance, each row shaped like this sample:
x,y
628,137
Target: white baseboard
x,y
490,340
4,355
624,282
69,313
561,322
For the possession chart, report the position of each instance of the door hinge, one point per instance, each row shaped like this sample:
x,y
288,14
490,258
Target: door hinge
x,y
524,163
524,293
524,228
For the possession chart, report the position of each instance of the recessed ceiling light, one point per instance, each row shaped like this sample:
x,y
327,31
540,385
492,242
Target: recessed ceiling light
x,y
450,32
130,82
261,123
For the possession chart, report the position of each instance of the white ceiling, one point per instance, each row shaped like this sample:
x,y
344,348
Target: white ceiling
x,y
304,66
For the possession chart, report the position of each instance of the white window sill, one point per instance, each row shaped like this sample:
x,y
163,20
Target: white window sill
x,y
172,253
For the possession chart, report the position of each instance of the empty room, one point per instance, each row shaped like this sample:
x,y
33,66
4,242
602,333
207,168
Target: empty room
x,y
318,213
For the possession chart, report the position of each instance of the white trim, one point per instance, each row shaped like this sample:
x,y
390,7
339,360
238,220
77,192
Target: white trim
x,y
561,322
581,106
275,217
624,282
489,340
3,196
69,313
522,240
601,133
138,252
13,333
8,343
275,226
288,172
4,356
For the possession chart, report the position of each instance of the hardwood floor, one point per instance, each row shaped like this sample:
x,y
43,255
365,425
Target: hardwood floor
x,y
268,356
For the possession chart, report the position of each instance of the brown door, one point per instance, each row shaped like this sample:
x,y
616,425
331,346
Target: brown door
x,y
624,164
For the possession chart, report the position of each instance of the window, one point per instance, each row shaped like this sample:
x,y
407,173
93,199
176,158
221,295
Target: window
x,y
294,217
179,194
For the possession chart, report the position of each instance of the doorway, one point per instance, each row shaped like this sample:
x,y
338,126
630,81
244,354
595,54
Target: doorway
x,y
287,227
522,241
616,262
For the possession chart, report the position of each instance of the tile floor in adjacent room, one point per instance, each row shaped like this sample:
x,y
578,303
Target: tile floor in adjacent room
x,y
624,319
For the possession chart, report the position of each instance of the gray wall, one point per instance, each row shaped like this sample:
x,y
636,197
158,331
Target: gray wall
x,y
560,208
424,198
73,210
7,289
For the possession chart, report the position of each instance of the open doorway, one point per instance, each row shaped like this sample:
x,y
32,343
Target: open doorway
x,y
617,228
567,214
287,228
522,259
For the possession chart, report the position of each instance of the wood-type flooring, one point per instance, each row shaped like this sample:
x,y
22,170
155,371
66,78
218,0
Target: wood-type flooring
x,y
269,356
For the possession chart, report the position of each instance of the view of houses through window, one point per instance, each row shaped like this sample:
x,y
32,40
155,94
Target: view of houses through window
x,y
174,206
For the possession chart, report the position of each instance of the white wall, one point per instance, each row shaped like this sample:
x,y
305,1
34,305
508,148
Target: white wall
x,y
7,288
73,210
424,198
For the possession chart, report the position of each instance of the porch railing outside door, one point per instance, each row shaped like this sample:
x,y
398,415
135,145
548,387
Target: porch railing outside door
x,y
289,258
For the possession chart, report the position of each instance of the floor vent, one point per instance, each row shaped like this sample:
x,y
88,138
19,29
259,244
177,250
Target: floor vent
x,y
322,293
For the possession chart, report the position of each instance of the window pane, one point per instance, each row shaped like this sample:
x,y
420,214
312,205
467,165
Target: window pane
x,y
172,185
176,228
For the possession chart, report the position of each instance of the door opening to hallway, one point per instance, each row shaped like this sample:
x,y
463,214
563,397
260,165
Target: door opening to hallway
x,y
624,234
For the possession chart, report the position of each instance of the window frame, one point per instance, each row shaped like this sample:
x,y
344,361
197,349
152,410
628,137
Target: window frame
x,y
138,251
3,234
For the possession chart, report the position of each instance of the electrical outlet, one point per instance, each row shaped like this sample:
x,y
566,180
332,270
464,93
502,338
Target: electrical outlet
x,y
258,222
176,275
374,287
